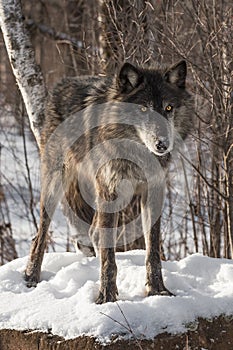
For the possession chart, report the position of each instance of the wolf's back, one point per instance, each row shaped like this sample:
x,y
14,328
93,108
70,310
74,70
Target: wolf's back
x,y
70,96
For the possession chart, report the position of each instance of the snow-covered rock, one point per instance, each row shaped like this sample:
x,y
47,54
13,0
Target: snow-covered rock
x,y
64,300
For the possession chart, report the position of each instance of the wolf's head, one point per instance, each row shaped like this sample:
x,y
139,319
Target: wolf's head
x,y
163,100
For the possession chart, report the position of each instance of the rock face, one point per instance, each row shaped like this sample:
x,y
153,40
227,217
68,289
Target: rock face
x,y
216,334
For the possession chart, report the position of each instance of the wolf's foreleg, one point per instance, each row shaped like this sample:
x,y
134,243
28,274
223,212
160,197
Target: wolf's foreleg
x,y
154,278
107,223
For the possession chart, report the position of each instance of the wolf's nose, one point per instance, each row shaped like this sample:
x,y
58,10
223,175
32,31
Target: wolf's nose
x,y
161,146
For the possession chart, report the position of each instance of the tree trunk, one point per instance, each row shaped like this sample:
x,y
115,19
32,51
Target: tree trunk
x,y
21,55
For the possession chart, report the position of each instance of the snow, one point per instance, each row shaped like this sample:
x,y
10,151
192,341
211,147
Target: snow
x,y
64,300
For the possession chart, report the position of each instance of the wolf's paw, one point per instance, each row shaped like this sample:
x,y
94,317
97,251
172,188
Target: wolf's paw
x,y
159,291
107,296
31,279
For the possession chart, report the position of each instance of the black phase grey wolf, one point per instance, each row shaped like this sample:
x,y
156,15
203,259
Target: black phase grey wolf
x,y
100,140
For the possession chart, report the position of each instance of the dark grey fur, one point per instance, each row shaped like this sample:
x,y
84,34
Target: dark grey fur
x,y
151,88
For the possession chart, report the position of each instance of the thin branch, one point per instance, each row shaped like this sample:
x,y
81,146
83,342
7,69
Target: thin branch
x,y
127,326
204,178
31,205
53,34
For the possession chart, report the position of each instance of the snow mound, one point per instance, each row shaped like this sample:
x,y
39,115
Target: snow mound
x,y
64,300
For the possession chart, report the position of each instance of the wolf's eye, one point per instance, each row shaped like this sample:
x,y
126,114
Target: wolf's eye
x,y
168,108
143,108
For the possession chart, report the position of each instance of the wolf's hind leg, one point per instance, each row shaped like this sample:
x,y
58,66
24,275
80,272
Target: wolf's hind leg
x,y
48,203
33,269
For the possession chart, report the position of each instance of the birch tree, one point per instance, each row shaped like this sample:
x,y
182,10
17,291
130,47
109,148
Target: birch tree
x,y
21,55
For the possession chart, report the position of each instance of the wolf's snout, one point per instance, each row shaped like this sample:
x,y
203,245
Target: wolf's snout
x,y
161,146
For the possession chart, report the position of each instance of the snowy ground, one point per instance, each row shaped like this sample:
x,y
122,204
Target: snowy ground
x,y
63,301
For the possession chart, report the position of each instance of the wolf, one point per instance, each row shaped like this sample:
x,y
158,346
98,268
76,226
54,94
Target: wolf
x,y
127,107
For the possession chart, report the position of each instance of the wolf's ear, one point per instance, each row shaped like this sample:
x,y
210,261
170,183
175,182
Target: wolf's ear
x,y
177,74
129,78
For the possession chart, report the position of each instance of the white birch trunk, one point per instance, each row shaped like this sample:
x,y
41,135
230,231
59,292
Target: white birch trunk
x,y
21,55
